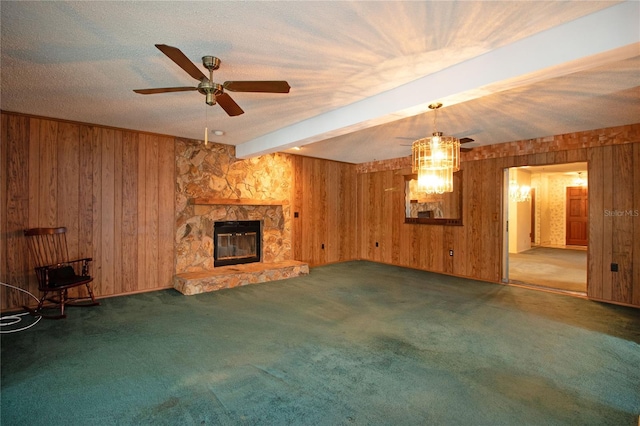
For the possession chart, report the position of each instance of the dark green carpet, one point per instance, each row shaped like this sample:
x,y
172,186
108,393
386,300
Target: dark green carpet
x,y
353,343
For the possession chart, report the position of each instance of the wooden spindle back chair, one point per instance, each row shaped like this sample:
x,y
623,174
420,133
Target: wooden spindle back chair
x,y
56,273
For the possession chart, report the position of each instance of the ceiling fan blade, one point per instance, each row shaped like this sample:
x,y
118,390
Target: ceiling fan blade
x,y
229,105
183,62
257,86
466,140
165,90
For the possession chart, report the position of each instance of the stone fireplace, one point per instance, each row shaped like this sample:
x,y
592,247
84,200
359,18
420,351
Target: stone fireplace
x,y
216,194
236,242
215,186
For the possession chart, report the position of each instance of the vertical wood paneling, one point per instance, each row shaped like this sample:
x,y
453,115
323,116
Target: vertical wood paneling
x,y
96,211
398,208
57,173
622,238
487,186
607,226
119,251
130,165
325,197
473,218
319,179
151,212
4,135
108,199
48,163
386,210
17,208
85,194
595,245
493,220
3,202
141,211
635,277
362,220
297,186
460,246
166,209
68,163
332,191
34,172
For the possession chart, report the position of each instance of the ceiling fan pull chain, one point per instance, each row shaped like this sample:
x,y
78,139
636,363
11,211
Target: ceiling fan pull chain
x,y
206,126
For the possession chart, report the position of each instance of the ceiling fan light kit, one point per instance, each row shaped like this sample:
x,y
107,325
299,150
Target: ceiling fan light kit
x,y
214,93
435,159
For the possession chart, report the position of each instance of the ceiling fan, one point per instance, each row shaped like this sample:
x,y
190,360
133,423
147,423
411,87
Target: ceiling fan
x,y
214,92
462,141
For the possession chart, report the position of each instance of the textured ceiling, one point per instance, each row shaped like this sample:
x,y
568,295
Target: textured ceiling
x,y
362,73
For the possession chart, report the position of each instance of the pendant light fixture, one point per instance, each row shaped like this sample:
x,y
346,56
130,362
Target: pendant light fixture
x,y
518,193
435,159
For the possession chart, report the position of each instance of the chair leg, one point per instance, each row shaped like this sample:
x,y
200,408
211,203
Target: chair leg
x,y
93,299
63,300
38,310
41,303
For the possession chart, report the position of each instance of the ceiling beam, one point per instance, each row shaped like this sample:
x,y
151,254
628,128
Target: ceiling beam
x,y
549,54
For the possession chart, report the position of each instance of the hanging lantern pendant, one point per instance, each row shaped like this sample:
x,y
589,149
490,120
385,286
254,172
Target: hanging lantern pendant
x,y
435,159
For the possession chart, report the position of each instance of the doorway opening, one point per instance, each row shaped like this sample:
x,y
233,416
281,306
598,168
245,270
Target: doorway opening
x,y
546,227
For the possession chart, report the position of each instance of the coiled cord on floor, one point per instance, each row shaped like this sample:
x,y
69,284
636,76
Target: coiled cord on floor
x,y
16,318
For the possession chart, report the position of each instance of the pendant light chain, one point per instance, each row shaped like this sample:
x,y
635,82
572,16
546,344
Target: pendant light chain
x,y
435,115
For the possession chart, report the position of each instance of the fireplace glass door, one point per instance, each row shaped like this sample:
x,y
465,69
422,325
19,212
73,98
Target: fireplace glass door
x,y
236,242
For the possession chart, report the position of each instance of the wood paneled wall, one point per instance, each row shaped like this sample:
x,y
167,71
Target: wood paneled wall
x,y
614,227
476,244
113,189
324,198
614,223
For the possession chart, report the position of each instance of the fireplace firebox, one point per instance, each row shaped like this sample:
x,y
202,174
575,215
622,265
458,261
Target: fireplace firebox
x,y
236,242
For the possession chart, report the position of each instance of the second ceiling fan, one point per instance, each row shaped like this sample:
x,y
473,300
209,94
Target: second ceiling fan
x,y
214,92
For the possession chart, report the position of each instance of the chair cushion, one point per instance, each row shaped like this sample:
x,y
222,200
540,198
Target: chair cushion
x,y
63,276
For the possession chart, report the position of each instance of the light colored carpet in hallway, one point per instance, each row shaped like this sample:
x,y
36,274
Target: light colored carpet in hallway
x,y
564,269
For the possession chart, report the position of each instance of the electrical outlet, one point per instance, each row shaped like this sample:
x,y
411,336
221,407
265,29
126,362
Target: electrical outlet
x,y
322,246
614,267
450,252
377,244
295,214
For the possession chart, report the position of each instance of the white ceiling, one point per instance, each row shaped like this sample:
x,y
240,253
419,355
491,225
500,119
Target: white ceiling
x,y
361,73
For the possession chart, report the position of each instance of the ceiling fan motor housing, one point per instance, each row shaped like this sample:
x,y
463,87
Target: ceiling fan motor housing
x,y
210,90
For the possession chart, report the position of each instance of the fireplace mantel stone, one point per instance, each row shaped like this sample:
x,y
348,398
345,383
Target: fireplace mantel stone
x,y
236,202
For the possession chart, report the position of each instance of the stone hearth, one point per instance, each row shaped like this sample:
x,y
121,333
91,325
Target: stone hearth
x,y
191,283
